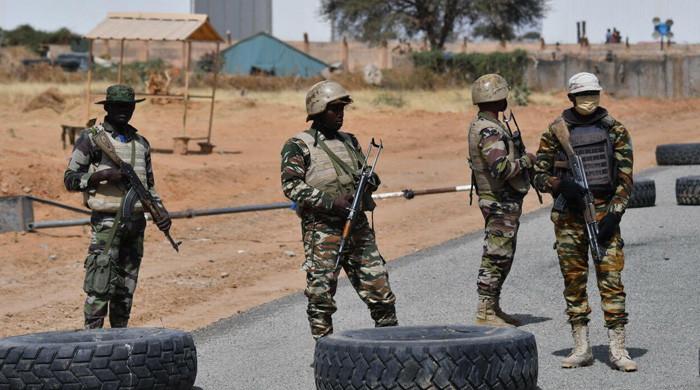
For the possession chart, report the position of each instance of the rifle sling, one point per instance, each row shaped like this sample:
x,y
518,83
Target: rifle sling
x,y
338,163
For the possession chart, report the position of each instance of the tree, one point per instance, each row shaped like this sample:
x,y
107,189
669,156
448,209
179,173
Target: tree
x,y
498,19
437,20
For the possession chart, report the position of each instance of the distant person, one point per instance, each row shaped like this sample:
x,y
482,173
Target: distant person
x,y
605,147
608,36
499,173
616,37
319,166
116,244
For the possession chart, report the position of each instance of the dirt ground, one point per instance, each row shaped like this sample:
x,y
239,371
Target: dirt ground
x,y
231,263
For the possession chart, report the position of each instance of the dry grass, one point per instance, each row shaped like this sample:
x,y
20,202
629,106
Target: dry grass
x,y
440,100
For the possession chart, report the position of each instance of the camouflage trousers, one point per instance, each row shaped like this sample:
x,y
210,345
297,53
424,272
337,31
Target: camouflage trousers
x,y
125,253
502,220
363,265
572,248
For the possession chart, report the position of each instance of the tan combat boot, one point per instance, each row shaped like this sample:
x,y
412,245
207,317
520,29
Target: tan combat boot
x,y
581,355
619,357
486,313
505,316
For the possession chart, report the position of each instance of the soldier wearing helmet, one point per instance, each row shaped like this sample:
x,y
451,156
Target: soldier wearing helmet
x,y
499,175
319,166
605,148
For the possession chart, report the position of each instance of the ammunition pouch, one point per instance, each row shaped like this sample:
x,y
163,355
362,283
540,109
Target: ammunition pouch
x,y
98,274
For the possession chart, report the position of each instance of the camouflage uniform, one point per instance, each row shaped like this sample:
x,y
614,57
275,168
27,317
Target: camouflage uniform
x,y
569,227
321,231
501,185
127,246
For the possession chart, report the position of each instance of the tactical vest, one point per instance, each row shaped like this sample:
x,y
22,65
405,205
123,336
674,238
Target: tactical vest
x,y
480,167
323,172
106,197
592,143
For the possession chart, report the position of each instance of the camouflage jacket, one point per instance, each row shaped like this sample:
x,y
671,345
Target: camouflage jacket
x,y
296,158
622,145
86,153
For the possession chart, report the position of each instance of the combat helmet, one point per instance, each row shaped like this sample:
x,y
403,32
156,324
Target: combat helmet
x,y
489,88
323,93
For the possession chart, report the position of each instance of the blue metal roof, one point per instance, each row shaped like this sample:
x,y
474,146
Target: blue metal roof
x,y
263,52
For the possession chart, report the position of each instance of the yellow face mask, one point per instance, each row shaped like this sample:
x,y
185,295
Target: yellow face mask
x,y
585,105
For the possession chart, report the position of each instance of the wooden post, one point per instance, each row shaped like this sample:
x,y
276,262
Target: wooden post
x,y
89,82
307,46
121,62
346,55
188,51
213,92
385,54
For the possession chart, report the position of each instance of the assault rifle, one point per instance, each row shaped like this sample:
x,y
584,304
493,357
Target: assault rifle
x,y
518,141
137,191
579,174
366,173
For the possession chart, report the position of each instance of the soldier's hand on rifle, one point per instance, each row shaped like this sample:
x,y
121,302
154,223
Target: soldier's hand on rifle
x,y
529,160
111,175
572,192
607,228
373,182
164,224
342,203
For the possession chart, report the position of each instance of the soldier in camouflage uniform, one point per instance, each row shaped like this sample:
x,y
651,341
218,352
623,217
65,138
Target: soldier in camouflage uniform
x,y
499,173
318,173
116,245
605,147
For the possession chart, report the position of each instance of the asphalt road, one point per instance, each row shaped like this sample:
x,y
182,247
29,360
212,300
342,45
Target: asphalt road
x,y
269,347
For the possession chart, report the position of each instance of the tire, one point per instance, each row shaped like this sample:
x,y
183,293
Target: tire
x,y
427,357
688,190
125,359
678,154
643,194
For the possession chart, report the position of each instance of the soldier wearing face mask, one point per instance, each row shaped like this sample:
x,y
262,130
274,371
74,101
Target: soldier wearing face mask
x,y
605,148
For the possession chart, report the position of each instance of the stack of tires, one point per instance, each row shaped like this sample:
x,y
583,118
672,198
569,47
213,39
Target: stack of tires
x,y
688,187
126,359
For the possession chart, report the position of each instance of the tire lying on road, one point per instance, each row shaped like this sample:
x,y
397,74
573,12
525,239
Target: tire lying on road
x,y
132,358
678,154
688,190
643,194
422,357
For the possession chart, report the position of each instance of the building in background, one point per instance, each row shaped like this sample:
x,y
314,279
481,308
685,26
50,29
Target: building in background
x,y
236,19
631,18
264,54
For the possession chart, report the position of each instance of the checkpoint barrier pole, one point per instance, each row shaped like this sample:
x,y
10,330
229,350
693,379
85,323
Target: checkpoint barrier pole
x,y
191,213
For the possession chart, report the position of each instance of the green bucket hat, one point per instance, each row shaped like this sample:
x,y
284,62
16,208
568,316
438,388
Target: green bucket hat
x,y
120,93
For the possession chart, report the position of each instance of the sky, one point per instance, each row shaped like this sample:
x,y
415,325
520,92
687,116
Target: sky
x,y
291,18
82,15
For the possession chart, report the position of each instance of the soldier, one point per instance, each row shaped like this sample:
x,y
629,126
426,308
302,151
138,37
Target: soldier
x,y
605,147
318,170
116,247
499,173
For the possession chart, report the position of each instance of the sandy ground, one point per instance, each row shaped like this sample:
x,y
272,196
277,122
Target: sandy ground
x,y
230,263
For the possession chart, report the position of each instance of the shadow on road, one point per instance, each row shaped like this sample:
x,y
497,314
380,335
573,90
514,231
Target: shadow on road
x,y
527,319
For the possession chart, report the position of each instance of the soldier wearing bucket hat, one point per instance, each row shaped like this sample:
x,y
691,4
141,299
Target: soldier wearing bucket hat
x,y
116,248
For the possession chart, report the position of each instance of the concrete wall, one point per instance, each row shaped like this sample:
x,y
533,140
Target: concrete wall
x,y
664,76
